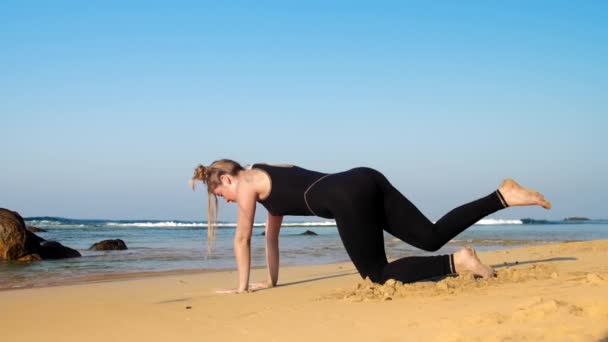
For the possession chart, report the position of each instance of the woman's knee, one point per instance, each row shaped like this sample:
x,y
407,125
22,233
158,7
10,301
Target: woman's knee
x,y
432,246
429,242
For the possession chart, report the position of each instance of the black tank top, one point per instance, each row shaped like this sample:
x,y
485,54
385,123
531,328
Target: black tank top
x,y
288,184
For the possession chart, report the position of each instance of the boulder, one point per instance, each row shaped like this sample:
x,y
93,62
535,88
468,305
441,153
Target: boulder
x,y
31,257
35,229
109,245
309,232
34,237
15,240
55,250
18,243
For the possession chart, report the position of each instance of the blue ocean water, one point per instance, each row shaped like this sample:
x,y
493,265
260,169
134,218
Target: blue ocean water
x,y
156,246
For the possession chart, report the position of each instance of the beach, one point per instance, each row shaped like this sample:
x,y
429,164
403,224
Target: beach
x,y
151,147
550,292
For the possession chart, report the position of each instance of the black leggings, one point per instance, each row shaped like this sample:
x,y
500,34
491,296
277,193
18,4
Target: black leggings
x,y
364,203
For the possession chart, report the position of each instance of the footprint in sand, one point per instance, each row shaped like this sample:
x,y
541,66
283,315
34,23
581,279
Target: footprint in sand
x,y
540,308
594,278
589,278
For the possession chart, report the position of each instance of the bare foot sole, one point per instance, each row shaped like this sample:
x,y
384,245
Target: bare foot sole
x,y
516,195
466,260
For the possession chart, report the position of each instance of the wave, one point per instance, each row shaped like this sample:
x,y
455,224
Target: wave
x,y
46,221
181,224
497,242
204,225
306,224
162,224
498,221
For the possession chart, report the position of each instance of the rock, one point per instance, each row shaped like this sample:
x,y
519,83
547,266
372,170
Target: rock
x,y
109,245
31,257
35,229
309,232
263,233
55,250
34,237
18,243
15,240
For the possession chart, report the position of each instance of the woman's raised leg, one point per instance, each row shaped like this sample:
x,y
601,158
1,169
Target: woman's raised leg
x,y
406,222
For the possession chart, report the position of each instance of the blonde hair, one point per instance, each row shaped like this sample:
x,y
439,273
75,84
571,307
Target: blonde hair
x,y
210,175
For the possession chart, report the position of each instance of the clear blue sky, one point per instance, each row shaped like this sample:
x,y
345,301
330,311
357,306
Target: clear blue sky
x,y
106,107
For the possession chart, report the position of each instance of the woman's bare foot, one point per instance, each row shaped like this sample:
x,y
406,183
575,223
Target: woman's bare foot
x,y
466,260
516,195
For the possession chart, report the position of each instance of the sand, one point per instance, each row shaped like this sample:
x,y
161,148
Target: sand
x,y
555,292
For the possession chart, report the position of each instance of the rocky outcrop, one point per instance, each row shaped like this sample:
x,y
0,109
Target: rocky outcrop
x,y
18,243
309,232
35,229
31,257
34,237
109,245
15,241
55,250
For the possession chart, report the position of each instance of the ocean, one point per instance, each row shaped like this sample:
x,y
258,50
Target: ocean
x,y
161,246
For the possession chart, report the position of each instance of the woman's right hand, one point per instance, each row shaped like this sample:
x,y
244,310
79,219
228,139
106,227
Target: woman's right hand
x,y
229,291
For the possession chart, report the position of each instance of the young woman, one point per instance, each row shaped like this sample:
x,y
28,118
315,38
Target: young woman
x,y
363,203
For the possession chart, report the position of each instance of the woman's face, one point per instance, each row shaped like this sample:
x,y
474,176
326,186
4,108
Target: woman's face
x,y
227,189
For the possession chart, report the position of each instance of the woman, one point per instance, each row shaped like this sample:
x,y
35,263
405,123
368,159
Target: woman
x,y
363,203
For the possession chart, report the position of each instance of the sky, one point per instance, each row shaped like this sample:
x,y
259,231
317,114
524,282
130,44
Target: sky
x,y
107,107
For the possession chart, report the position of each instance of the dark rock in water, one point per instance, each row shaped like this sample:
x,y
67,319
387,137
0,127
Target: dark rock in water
x,y
18,243
533,221
309,232
35,229
55,250
15,240
34,237
109,245
570,219
263,234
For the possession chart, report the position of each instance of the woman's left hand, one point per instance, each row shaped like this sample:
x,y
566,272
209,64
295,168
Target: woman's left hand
x,y
252,287
260,286
228,291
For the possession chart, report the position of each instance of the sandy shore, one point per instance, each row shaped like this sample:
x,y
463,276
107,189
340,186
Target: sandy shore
x,y
553,292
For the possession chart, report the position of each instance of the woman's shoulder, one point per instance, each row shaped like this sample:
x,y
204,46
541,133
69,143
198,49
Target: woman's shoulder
x,y
273,165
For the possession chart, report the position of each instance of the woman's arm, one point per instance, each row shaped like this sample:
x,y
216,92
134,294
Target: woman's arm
x,y
273,225
242,238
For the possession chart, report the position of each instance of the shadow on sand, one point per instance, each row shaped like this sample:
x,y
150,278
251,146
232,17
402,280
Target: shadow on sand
x,y
328,276
517,263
